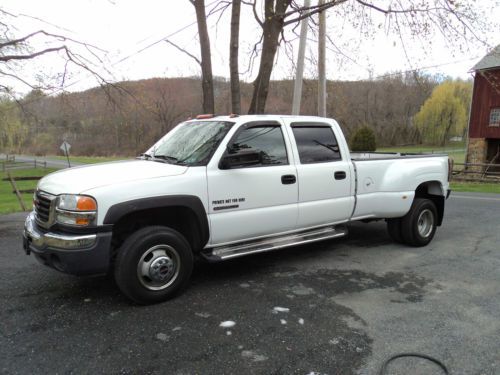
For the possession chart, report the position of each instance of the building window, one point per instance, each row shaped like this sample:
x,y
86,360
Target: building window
x,y
495,117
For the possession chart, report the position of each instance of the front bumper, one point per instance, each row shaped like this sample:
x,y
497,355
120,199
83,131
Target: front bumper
x,y
77,254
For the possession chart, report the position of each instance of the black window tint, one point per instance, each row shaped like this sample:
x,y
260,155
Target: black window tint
x,y
268,140
316,144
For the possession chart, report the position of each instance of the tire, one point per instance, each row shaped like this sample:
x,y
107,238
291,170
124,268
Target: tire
x,y
394,229
418,226
153,265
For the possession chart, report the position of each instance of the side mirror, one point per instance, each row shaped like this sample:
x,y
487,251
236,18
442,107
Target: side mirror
x,y
241,158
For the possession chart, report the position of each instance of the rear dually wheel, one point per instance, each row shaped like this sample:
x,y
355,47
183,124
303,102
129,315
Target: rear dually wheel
x,y
418,226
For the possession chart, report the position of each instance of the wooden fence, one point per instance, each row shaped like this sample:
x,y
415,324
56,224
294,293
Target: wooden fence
x,y
476,172
10,163
17,191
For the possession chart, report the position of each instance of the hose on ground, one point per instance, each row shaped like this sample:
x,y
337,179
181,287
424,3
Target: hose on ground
x,y
441,365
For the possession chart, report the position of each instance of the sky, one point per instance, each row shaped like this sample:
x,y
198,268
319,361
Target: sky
x,y
129,37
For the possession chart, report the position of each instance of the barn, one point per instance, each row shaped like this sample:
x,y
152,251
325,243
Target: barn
x,y
484,122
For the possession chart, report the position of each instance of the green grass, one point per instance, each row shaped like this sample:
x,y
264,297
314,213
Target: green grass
x,y
90,159
455,150
8,200
475,187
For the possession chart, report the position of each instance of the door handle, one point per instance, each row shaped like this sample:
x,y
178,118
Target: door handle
x,y
341,175
288,179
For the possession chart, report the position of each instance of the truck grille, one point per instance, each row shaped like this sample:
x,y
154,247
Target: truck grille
x,y
43,207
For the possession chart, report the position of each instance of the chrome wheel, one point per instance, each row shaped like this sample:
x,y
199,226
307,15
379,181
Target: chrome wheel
x,y
425,223
158,267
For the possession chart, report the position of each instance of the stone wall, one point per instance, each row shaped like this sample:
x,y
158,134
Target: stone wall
x,y
476,153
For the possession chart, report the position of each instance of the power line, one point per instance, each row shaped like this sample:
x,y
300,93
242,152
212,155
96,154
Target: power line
x,y
56,91
138,51
426,67
153,44
130,55
61,89
161,39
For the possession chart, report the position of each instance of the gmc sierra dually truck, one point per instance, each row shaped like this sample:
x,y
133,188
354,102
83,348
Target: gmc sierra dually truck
x,y
224,187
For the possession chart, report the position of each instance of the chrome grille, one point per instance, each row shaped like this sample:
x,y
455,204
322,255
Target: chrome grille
x,y
43,208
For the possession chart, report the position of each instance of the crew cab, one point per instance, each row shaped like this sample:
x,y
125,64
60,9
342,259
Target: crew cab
x,y
220,187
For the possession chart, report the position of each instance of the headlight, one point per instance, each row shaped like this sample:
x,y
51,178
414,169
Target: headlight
x,y
78,210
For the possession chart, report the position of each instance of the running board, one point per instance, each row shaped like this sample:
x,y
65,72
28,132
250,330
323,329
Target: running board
x,y
273,243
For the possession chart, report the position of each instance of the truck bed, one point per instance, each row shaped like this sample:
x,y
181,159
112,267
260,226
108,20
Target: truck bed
x,y
386,182
365,156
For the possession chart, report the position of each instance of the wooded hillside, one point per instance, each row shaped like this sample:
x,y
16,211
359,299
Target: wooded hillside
x,y
127,118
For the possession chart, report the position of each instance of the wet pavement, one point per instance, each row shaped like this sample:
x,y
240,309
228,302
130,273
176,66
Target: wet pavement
x,y
336,307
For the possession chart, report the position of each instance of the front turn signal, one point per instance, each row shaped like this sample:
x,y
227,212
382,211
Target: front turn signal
x,y
85,203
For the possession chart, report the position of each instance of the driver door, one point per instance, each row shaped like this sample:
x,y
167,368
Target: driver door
x,y
251,201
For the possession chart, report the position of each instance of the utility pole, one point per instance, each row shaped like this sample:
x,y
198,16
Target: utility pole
x,y
297,88
321,62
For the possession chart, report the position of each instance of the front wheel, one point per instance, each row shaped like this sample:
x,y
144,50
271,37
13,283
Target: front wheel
x,y
153,265
418,226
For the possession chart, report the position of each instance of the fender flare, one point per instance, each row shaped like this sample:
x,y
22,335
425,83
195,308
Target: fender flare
x,y
193,203
434,191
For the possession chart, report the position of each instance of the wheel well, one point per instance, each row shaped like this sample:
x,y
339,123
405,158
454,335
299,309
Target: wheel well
x,y
433,190
180,218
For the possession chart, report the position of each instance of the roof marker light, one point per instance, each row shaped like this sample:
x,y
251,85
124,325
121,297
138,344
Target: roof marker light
x,y
204,116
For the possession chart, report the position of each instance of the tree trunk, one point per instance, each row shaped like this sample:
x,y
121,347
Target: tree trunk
x,y
272,27
206,62
233,57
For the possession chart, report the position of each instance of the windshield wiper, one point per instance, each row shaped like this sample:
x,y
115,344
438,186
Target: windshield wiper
x,y
160,158
146,156
157,158
167,158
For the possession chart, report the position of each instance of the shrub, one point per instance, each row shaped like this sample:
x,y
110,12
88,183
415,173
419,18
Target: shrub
x,y
363,140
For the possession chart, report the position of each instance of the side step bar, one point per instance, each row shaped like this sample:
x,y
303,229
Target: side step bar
x,y
273,243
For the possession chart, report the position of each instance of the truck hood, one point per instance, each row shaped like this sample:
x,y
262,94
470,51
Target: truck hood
x,y
78,180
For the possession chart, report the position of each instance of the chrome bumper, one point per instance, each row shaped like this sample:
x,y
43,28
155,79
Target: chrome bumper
x,y
41,240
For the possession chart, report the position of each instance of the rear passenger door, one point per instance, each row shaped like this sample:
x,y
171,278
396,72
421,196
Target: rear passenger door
x,y
324,175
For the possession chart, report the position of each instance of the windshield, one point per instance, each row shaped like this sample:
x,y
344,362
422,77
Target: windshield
x,y
190,143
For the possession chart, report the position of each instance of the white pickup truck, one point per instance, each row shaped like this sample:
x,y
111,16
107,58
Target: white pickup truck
x,y
223,187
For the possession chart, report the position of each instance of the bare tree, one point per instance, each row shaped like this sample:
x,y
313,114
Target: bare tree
x,y
206,62
18,50
452,19
272,26
233,57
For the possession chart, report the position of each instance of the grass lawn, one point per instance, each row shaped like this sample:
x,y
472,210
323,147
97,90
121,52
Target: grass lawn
x,y
475,187
8,200
90,159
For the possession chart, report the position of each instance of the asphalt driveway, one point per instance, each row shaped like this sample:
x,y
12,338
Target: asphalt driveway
x,y
338,307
